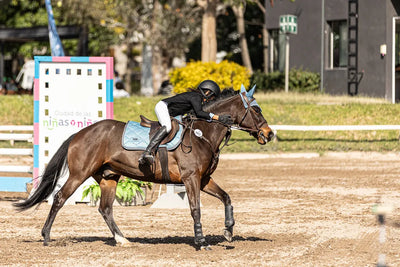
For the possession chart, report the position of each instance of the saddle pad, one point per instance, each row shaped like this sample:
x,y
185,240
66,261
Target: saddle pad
x,y
136,137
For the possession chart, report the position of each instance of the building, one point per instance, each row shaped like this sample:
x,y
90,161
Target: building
x,y
355,45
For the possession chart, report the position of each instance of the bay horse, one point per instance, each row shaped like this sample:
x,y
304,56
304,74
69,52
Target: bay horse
x,y
96,151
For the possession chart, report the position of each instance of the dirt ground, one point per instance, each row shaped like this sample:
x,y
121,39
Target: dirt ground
x,y
289,211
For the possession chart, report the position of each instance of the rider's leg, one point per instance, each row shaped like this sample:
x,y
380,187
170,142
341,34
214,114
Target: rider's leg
x,y
165,121
163,116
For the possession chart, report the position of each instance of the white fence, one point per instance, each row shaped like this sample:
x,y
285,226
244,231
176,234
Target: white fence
x,y
14,133
303,128
334,127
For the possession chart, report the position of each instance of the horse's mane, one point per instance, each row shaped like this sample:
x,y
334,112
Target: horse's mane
x,y
226,93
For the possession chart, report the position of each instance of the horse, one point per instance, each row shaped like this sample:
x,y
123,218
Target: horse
x,y
96,151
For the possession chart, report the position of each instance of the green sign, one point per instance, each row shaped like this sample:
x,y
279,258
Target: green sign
x,y
288,24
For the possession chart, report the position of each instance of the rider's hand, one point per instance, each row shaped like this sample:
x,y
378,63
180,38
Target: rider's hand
x,y
226,119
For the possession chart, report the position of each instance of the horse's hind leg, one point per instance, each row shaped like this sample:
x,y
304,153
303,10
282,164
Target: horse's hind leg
x,y
210,187
59,200
108,188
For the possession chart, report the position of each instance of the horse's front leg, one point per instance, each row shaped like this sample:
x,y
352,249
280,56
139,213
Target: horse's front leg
x,y
210,187
192,185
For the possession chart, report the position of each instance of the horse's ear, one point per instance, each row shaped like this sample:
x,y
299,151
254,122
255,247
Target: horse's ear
x,y
250,93
242,89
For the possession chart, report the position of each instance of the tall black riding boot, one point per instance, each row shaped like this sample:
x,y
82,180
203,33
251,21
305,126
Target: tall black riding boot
x,y
147,157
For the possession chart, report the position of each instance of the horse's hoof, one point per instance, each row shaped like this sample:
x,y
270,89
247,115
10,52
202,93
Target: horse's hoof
x,y
228,235
46,241
205,247
122,241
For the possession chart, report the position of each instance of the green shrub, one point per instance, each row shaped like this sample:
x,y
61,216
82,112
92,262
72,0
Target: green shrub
x,y
299,81
226,74
304,81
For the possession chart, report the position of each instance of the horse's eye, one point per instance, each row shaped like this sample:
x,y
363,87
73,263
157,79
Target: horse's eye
x,y
257,109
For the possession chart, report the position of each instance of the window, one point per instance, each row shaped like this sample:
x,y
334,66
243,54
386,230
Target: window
x,y
277,51
397,48
337,44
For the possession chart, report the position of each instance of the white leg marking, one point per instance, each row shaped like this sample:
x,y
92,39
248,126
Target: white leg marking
x,y
122,241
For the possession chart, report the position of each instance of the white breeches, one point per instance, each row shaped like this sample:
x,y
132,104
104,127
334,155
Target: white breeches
x,y
162,113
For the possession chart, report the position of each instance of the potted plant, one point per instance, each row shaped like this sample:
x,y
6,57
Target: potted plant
x,y
128,189
94,193
126,192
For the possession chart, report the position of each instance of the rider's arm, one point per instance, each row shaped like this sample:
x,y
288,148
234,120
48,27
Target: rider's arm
x,y
198,110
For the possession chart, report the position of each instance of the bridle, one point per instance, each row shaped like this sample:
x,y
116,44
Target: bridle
x,y
257,128
188,126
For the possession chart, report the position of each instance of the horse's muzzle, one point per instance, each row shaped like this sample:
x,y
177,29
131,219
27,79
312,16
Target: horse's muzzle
x,y
264,135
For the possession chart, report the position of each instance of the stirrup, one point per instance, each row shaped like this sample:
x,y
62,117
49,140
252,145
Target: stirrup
x,y
146,158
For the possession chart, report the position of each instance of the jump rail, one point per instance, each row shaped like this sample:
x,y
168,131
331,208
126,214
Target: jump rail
x,y
11,136
8,133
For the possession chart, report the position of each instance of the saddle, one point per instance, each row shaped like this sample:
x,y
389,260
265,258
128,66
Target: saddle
x,y
155,125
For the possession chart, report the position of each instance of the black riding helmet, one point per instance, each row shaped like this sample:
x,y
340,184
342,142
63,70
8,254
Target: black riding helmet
x,y
209,85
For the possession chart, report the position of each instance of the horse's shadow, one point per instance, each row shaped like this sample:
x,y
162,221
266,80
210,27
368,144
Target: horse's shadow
x,y
213,240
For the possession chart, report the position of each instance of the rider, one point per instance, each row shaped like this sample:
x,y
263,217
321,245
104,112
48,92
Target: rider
x,y
181,104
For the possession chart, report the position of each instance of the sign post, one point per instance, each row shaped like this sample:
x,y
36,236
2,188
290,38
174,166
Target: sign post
x,y
70,93
287,24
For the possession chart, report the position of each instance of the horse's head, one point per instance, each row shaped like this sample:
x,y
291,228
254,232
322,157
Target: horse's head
x,y
245,112
251,119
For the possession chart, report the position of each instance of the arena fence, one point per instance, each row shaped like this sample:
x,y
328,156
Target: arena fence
x,y
305,128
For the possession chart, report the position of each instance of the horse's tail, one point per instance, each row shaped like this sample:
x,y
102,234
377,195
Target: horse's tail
x,y
54,170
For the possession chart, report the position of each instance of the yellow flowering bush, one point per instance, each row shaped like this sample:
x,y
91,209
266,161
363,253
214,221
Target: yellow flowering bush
x,y
226,74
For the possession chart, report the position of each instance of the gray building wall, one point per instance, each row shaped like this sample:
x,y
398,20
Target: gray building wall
x,y
305,50
375,27
392,10
371,34
335,80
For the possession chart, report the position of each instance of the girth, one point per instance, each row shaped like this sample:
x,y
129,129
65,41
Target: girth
x,y
163,156
155,125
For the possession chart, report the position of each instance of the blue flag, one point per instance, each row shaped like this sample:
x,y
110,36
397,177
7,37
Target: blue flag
x,y
55,42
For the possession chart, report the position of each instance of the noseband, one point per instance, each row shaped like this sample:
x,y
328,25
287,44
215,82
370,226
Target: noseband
x,y
256,128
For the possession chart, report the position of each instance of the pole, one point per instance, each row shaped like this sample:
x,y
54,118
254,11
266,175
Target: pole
x,y
382,239
322,45
286,63
1,63
381,212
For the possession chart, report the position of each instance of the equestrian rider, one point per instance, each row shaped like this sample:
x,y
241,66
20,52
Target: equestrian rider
x,y
181,104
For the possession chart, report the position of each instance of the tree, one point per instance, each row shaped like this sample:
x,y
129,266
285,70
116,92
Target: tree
x,y
208,30
86,14
174,27
262,7
165,26
18,14
238,8
265,35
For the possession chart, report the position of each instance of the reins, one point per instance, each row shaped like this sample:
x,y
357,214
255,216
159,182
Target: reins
x,y
215,154
189,126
